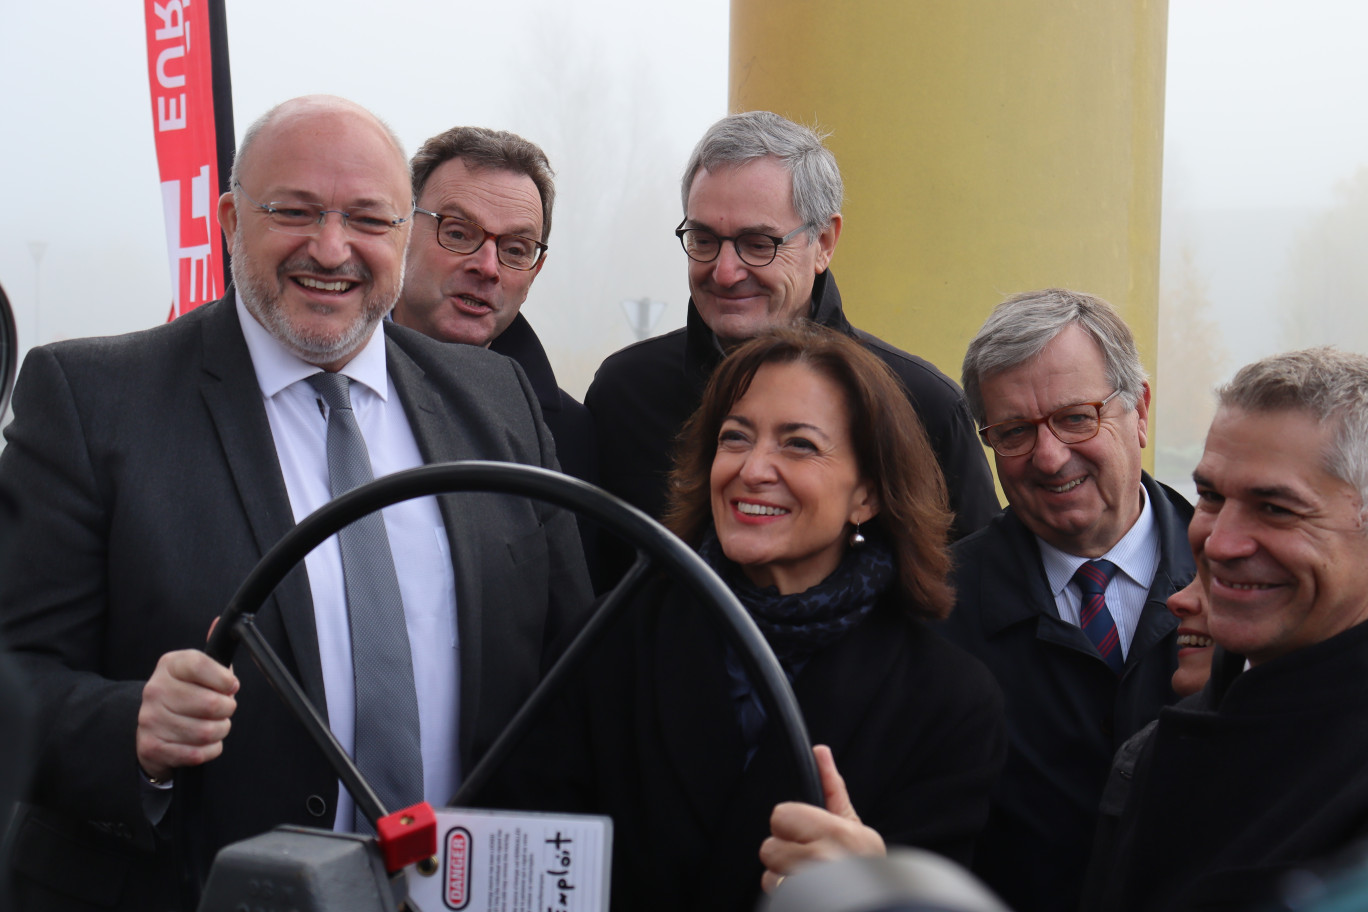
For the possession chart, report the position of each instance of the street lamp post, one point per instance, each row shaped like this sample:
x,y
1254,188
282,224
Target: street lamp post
x,y
37,249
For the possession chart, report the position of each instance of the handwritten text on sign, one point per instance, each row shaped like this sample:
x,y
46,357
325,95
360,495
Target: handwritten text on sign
x,y
498,861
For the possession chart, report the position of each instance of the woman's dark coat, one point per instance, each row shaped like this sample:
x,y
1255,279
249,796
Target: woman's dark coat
x,y
649,735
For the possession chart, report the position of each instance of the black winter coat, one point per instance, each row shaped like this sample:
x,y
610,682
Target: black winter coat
x,y
649,735
643,394
568,420
1067,713
1263,771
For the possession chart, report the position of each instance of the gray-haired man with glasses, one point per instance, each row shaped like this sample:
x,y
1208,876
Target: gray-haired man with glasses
x,y
762,214
483,216
1063,594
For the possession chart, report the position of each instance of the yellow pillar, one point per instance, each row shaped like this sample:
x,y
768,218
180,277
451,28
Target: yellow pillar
x,y
988,147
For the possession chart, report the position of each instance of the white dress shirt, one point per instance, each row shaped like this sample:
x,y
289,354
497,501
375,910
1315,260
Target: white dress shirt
x,y
1136,557
417,536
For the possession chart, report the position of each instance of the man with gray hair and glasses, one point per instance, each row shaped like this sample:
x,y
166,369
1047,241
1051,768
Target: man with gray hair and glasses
x,y
1063,594
762,214
1266,769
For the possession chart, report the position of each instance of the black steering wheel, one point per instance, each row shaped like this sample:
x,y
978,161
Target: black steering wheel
x,y
651,540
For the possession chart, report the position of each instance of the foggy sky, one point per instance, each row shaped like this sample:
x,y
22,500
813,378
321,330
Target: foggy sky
x,y
616,92
1264,116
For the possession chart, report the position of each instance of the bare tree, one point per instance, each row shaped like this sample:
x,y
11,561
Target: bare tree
x,y
1192,360
1325,292
603,123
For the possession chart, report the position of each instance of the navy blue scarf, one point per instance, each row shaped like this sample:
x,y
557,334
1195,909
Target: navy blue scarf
x,y
798,625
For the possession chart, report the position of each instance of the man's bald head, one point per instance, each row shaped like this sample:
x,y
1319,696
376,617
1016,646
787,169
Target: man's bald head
x,y
306,107
317,219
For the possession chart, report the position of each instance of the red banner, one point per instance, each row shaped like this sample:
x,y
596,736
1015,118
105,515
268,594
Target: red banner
x,y
180,72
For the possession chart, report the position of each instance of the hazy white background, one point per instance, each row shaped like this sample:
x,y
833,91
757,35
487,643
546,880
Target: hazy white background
x,y
616,92
1265,206
1265,197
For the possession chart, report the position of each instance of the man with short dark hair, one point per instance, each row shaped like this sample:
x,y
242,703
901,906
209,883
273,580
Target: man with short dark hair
x,y
1063,595
1266,769
152,471
762,214
484,200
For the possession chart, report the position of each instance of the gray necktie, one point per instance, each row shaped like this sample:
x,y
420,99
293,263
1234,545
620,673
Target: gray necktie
x,y
387,732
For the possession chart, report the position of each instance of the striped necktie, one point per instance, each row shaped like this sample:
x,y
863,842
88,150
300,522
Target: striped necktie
x,y
1094,618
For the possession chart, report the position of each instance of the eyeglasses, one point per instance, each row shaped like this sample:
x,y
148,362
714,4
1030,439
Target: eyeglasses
x,y
754,248
464,236
306,219
1071,424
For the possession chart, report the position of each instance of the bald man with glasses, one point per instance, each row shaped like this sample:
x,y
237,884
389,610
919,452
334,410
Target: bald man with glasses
x,y
1063,594
150,473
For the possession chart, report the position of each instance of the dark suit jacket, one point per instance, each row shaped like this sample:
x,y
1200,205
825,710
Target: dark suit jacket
x,y
1066,711
649,735
148,483
568,419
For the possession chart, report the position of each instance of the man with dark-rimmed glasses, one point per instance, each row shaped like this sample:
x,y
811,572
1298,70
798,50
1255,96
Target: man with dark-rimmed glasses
x,y
482,220
1062,595
762,214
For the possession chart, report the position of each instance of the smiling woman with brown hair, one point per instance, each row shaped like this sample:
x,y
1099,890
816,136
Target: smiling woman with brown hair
x,y
806,482
883,441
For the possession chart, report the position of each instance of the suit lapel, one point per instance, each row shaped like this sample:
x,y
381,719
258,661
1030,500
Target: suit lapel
x,y
1016,591
1174,572
441,439
1156,621
231,394
1024,572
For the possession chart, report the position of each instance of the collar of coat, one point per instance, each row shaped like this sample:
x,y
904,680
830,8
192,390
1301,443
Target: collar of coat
x,y
702,353
1012,579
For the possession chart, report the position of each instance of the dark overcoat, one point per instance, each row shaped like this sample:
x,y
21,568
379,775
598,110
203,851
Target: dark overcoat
x,y
649,735
1067,712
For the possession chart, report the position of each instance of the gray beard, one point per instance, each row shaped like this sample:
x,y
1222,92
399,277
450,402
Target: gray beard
x,y
262,298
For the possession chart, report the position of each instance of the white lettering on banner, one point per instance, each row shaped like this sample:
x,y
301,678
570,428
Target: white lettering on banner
x,y
173,12
167,116
169,82
196,256
171,113
199,254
